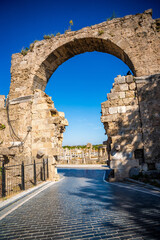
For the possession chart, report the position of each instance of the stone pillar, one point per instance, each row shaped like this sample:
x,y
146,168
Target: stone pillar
x,y
122,122
89,154
100,152
53,175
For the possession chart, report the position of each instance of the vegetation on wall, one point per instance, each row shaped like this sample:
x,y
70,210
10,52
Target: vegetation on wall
x,y
113,16
2,126
100,32
48,36
24,51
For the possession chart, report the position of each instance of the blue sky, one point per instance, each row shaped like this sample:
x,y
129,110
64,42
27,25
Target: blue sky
x,y
80,84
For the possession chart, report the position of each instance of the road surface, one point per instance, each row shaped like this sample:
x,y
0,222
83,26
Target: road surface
x,y
83,206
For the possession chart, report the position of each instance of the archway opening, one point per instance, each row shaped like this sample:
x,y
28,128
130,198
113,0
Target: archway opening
x,y
78,88
73,48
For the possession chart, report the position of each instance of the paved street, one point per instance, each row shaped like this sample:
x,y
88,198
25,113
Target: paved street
x,y
82,206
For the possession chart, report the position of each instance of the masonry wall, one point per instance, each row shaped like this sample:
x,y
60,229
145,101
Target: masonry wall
x,y
132,121
121,119
4,129
48,126
30,129
148,91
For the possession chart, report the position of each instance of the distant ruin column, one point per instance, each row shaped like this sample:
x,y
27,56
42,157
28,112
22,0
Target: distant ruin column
x,y
89,154
53,175
83,157
100,152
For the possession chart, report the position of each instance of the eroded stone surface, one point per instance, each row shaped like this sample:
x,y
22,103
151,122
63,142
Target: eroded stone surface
x,y
33,129
133,123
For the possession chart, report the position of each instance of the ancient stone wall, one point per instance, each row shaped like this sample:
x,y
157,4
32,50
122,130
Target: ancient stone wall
x,y
48,126
148,91
3,122
31,128
132,122
121,119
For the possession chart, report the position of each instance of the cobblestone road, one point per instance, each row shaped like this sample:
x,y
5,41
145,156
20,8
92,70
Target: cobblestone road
x,y
82,206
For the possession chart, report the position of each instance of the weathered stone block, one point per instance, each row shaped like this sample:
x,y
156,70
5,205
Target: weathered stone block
x,y
132,108
113,110
122,109
122,94
120,79
109,118
117,88
64,122
130,101
123,87
61,114
112,95
132,86
130,94
105,111
129,78
2,101
105,104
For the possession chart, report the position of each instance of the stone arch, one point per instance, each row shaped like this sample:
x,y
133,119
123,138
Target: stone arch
x,y
134,39
73,48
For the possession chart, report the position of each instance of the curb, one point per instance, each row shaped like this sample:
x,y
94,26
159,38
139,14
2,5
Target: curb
x,y
83,166
29,195
6,203
146,185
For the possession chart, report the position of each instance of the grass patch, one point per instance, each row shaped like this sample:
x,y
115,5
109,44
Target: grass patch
x,y
24,51
2,126
100,32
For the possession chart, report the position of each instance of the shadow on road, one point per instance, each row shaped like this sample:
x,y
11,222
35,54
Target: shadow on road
x,y
140,211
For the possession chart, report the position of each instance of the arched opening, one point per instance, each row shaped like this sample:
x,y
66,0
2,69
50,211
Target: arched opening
x,y
72,48
78,87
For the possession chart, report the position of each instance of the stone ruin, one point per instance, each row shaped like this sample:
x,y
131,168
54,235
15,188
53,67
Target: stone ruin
x,y
41,133
131,118
78,156
30,126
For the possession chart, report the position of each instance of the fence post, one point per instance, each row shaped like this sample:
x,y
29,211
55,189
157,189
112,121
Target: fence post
x,y
34,172
3,180
47,170
44,176
22,176
41,174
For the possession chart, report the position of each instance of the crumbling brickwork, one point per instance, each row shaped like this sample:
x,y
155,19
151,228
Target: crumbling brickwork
x,y
148,91
33,129
48,126
121,119
132,122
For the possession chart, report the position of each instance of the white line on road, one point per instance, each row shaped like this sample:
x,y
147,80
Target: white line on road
x,y
42,189
131,188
